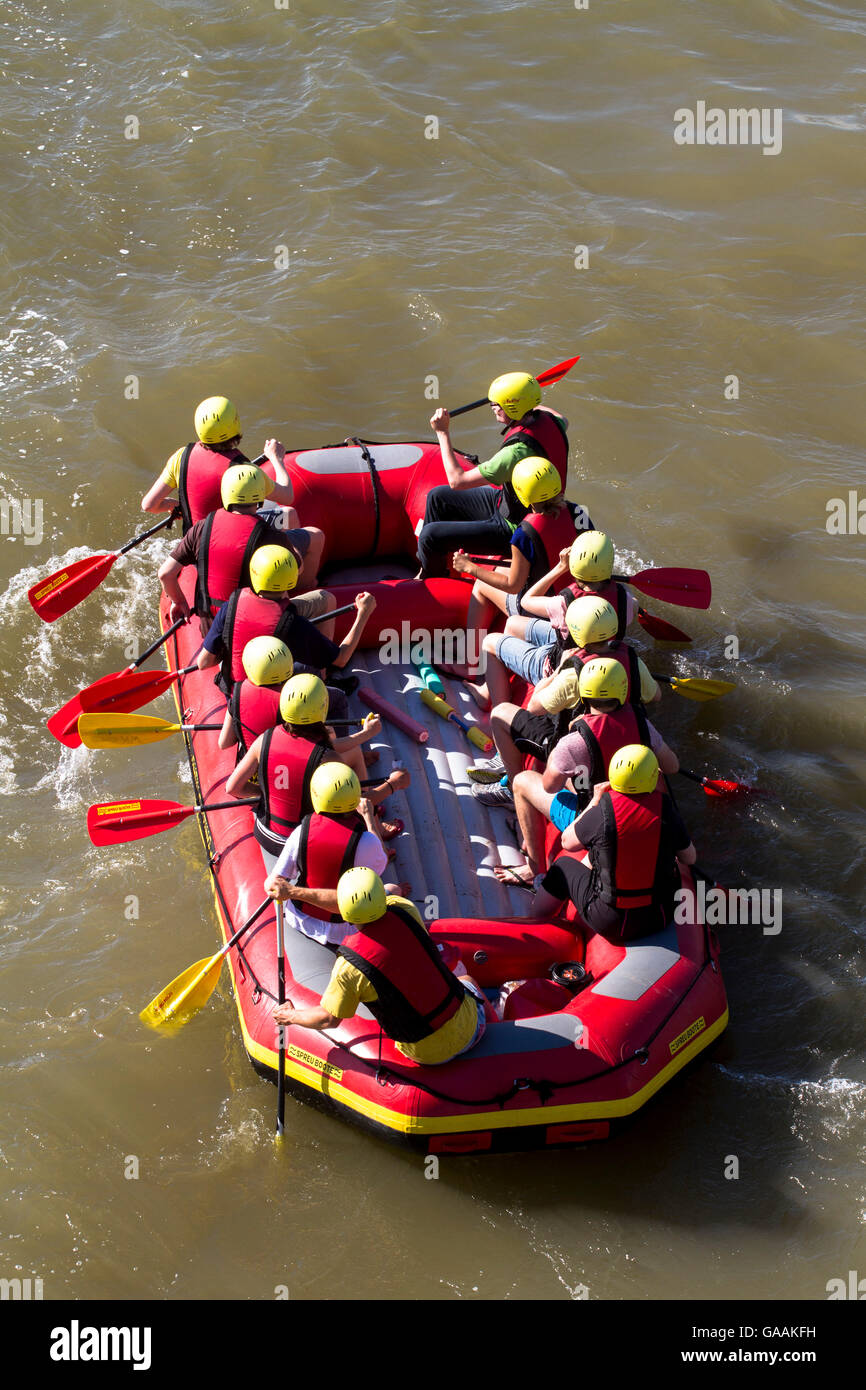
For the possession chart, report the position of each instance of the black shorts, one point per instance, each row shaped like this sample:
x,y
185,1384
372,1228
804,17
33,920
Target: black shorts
x,y
534,734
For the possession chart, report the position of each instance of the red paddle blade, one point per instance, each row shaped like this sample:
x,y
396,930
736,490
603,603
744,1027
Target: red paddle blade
x,y
116,822
556,373
64,724
55,595
717,786
658,628
125,691
686,588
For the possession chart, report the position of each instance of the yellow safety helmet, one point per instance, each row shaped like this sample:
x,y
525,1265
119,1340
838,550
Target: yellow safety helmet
x,y
361,896
217,420
536,480
243,484
634,770
335,789
603,678
590,619
591,557
516,392
267,661
273,570
303,700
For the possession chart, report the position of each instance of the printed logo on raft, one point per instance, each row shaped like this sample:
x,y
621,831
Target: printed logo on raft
x,y
736,126
723,907
444,646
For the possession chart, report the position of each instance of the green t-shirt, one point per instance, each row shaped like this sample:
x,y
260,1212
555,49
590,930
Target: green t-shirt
x,y
500,467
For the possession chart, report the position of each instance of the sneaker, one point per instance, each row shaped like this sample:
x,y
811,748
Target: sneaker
x,y
486,770
497,795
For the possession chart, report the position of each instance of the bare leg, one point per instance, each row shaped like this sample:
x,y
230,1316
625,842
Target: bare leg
x,y
500,727
532,804
310,568
327,627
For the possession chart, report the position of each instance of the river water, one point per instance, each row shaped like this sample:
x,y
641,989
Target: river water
x,y
316,210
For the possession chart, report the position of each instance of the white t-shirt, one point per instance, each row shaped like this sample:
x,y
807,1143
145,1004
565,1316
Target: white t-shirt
x,y
368,855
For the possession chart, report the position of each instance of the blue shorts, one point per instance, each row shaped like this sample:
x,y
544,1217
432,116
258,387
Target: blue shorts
x,y
565,808
525,659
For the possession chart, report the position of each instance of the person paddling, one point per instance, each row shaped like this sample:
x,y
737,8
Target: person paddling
x,y
338,835
589,562
582,758
195,471
547,528
389,963
478,510
282,762
263,609
222,545
535,729
634,837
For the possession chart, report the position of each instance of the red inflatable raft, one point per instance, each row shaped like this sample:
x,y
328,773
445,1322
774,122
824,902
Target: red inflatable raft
x,y
563,1067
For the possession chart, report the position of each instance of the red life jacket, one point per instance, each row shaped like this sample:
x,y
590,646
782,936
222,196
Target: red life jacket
x,y
251,615
605,734
200,474
291,761
326,850
545,435
417,994
254,709
621,652
626,862
549,535
228,542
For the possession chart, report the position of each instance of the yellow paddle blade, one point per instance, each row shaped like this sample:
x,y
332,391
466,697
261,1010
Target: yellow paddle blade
x,y
696,689
122,730
175,1005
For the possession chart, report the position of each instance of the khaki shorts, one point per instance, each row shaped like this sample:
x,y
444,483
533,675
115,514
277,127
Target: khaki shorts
x,y
311,604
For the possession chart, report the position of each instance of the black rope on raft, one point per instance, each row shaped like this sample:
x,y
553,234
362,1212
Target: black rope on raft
x,y
374,481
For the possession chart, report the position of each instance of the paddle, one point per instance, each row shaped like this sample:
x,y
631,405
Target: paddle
x,y
64,724
97,730
281,999
548,378
658,628
118,822
124,691
131,730
683,587
178,1002
56,595
694,688
718,787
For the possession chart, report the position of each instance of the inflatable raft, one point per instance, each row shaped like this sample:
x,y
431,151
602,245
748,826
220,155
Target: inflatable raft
x,y
567,1063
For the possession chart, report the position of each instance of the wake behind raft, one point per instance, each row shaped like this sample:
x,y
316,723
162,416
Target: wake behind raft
x,y
570,1060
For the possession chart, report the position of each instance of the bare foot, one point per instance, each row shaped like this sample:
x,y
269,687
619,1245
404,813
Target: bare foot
x,y
513,873
479,694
